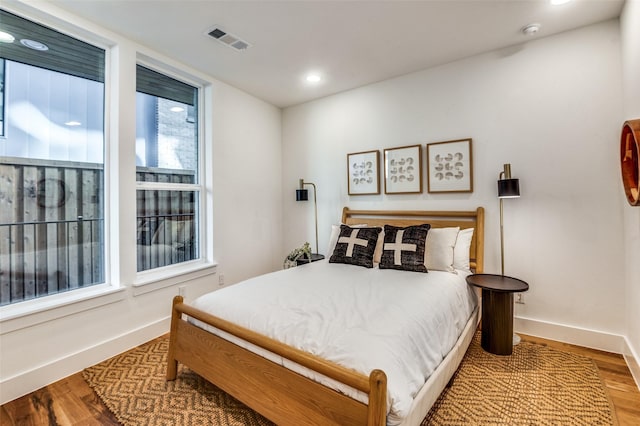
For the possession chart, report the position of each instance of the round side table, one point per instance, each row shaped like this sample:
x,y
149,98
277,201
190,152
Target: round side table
x,y
497,310
314,258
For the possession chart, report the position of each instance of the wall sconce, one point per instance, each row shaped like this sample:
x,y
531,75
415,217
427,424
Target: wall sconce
x,y
507,188
303,195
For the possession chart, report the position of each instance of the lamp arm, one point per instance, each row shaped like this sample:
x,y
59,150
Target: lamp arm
x,y
315,206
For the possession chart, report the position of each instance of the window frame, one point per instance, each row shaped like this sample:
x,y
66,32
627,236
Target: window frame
x,y
158,275
119,274
24,314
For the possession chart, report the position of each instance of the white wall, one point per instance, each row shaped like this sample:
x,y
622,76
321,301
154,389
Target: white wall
x,y
631,96
552,109
246,226
247,185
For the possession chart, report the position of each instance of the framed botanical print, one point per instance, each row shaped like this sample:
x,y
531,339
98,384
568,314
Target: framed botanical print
x,y
450,166
363,173
403,170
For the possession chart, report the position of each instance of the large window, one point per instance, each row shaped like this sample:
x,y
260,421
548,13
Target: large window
x,y
51,162
168,179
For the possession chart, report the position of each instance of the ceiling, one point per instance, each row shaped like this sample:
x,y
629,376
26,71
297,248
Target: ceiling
x,y
349,43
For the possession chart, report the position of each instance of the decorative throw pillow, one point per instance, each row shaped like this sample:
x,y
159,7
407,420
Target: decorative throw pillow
x,y
335,233
440,244
461,250
355,246
404,248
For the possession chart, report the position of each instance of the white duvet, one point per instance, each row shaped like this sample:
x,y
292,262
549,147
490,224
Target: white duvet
x,y
403,323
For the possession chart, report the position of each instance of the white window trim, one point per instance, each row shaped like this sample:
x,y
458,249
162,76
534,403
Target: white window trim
x,y
30,312
35,311
157,277
171,275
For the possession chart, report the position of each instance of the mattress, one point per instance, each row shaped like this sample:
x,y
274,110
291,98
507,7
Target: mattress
x,y
401,322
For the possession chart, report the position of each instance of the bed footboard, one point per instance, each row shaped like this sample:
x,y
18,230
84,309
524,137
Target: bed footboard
x,y
281,395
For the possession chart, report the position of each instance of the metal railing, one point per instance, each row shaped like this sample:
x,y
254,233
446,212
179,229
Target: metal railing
x,y
52,226
47,257
165,239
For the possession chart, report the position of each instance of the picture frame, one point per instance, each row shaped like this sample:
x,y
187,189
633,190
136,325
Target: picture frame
x,y
450,166
403,170
363,173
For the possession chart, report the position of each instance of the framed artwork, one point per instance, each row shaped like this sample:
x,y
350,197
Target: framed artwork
x,y
363,172
450,166
403,170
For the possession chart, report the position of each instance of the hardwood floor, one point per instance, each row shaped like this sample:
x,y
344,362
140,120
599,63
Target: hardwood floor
x,y
71,401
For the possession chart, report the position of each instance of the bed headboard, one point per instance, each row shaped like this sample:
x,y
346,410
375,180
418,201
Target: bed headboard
x,y
437,219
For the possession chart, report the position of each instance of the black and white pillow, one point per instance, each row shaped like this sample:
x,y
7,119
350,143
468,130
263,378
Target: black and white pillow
x,y
355,246
404,248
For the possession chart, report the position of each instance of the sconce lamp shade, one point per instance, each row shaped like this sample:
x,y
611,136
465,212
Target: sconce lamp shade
x,y
508,188
302,194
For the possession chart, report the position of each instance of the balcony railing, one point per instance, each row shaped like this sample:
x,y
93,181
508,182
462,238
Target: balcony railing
x,y
43,258
165,240
52,226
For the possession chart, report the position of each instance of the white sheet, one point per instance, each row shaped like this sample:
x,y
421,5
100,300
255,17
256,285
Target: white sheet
x,y
403,323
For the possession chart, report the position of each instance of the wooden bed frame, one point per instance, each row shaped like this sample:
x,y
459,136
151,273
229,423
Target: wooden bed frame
x,y
279,394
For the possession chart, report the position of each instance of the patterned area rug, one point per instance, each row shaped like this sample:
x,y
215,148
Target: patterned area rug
x,y
536,385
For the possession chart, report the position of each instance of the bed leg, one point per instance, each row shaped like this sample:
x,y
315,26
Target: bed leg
x,y
172,362
377,399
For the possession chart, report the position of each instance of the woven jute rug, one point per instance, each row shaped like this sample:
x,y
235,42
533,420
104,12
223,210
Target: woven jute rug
x,y
537,385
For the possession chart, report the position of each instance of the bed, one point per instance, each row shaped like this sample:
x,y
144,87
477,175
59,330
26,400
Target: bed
x,y
267,375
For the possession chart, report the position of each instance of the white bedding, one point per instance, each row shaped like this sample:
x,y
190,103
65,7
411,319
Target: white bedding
x,y
403,323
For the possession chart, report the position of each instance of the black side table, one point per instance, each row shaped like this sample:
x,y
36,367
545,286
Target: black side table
x,y
497,310
314,258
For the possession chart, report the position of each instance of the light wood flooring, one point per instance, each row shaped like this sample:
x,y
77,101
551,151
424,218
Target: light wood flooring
x,y
70,401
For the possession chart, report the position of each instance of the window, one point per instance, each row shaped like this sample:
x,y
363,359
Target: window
x,y
51,162
167,170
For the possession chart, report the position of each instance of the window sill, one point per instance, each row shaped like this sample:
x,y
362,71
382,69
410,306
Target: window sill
x,y
32,312
167,276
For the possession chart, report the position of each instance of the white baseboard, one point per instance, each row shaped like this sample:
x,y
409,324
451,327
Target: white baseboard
x,y
573,335
29,381
633,361
582,337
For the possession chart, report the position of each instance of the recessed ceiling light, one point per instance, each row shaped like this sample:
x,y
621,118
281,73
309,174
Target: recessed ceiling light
x,y
72,123
6,37
35,45
531,29
176,109
558,2
313,78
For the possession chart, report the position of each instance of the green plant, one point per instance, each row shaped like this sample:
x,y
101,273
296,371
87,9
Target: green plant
x,y
297,253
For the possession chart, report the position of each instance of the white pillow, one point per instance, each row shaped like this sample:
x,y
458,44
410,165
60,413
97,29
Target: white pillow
x,y
377,255
439,249
461,250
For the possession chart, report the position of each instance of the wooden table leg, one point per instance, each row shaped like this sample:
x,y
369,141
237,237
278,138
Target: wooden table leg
x,y
497,322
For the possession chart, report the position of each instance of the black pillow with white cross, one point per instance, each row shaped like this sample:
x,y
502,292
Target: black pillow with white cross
x,y
355,246
404,248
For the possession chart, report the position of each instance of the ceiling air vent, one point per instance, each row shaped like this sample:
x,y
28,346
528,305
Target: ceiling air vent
x,y
227,39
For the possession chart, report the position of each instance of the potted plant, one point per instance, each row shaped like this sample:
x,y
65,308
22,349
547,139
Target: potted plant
x,y
292,258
